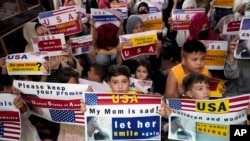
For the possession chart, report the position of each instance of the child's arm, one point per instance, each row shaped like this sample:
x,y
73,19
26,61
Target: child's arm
x,y
171,86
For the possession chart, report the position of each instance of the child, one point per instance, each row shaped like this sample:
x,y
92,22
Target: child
x,y
28,131
193,58
143,71
97,73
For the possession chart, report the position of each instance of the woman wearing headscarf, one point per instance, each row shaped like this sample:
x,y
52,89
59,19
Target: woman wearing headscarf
x,y
135,25
199,28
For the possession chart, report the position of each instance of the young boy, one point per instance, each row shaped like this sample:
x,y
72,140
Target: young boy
x,y
28,131
193,58
97,73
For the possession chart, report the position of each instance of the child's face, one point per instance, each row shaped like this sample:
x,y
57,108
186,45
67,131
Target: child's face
x,y
141,73
194,62
119,84
138,28
91,74
200,90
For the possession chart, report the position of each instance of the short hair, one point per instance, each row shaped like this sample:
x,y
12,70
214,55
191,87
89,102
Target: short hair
x,y
100,70
117,70
64,74
191,46
173,118
193,78
101,135
90,118
145,63
5,81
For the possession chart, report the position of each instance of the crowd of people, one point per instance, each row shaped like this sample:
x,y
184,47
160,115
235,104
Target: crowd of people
x,y
177,70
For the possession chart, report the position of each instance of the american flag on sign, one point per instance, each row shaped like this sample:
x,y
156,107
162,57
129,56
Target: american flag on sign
x,y
115,12
126,41
71,116
10,131
55,12
245,24
235,103
144,83
106,99
187,11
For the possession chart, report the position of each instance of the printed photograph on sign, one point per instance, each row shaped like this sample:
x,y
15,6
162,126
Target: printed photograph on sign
x,y
242,50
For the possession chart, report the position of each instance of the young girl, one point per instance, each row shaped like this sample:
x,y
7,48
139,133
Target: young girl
x,y
143,72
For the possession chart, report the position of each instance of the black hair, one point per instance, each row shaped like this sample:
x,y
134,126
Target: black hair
x,y
192,78
100,70
173,118
64,74
89,118
144,4
101,135
38,25
145,63
5,81
116,70
191,46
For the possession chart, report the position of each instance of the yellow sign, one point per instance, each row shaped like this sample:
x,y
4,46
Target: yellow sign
x,y
213,129
215,107
25,67
152,25
224,3
215,57
215,86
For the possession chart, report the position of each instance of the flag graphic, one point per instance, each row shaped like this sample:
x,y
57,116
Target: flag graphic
x,y
10,131
245,24
145,83
235,103
187,11
126,41
111,99
115,12
55,12
72,116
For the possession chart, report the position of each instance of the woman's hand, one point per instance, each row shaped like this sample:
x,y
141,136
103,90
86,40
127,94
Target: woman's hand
x,y
165,110
83,108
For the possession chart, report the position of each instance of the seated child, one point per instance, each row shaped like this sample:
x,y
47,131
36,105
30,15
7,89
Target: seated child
x,y
97,73
28,131
193,58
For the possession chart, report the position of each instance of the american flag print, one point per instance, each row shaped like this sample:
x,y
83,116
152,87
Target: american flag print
x,y
55,12
70,116
187,11
10,131
111,99
115,12
126,41
144,83
245,24
235,103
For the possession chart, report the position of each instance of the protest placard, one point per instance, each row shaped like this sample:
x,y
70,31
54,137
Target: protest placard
x,y
30,63
57,102
82,44
231,26
138,44
10,122
152,21
216,54
124,116
224,3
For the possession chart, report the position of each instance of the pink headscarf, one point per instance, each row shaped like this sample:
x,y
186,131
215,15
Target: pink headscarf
x,y
196,24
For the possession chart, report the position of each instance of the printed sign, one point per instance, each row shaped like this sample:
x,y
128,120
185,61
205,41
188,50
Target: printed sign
x,y
215,86
154,5
57,102
224,3
31,63
123,116
138,44
242,50
10,122
231,26
216,54
63,20
181,17
152,21
54,44
82,44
